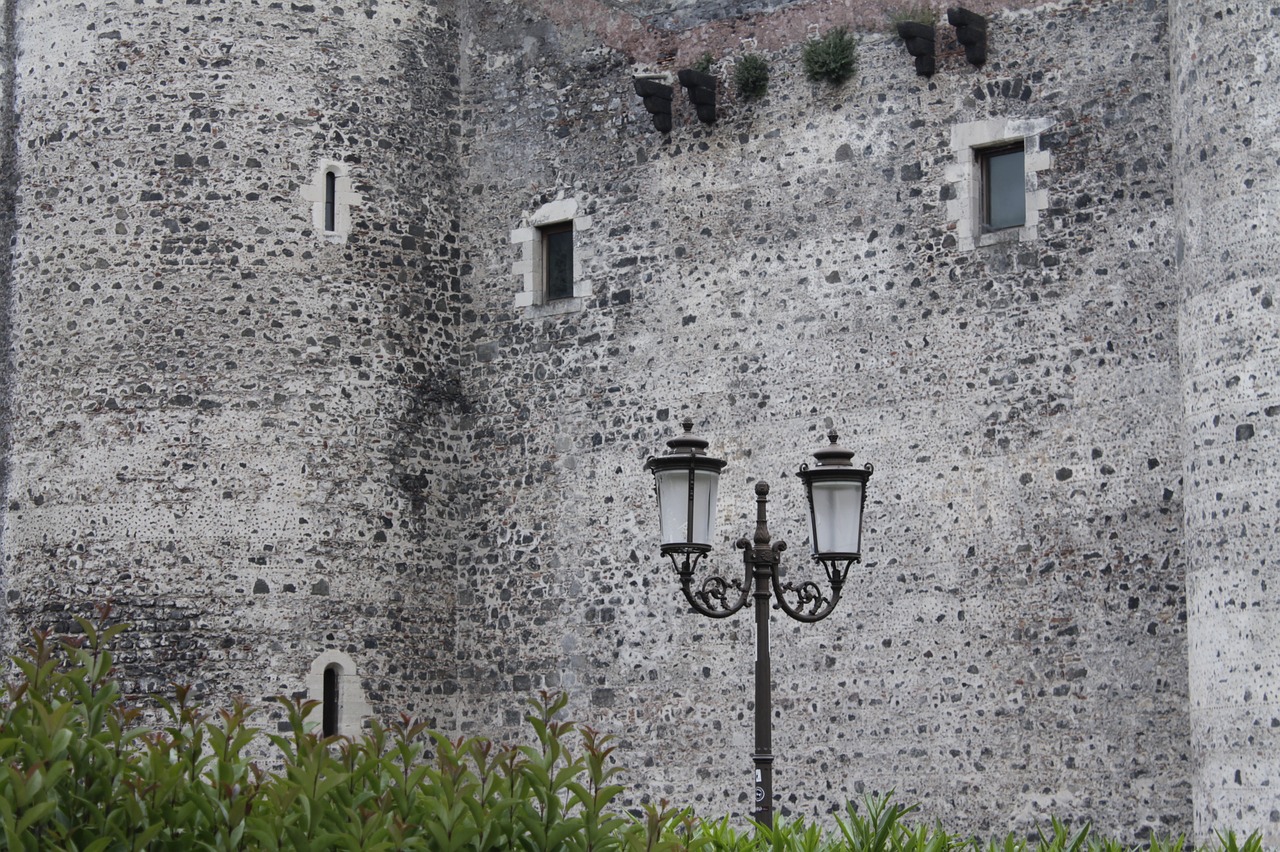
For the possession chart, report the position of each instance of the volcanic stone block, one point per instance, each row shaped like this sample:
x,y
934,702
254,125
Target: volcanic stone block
x,y
657,101
919,41
702,92
971,31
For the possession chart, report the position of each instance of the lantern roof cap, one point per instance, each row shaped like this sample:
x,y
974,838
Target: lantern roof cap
x,y
685,451
833,455
688,442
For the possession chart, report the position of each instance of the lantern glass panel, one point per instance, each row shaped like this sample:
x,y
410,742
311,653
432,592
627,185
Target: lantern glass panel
x,y
837,516
673,505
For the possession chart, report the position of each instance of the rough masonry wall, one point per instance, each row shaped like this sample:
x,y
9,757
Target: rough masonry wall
x,y
230,428
8,180
1014,645
1224,142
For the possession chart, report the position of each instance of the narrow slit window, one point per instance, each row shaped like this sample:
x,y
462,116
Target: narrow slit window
x,y
557,261
1004,199
329,717
330,199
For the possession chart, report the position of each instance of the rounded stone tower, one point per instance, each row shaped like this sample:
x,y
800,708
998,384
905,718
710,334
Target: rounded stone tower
x,y
232,314
1226,107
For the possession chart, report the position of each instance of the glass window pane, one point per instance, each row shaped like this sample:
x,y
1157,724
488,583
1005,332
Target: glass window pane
x,y
837,517
557,247
673,505
1005,190
706,486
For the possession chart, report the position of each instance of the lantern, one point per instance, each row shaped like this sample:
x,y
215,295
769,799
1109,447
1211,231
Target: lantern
x,y
837,492
686,480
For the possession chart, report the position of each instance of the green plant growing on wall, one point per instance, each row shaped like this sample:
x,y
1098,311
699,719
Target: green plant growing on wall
x,y
751,77
704,62
833,58
912,13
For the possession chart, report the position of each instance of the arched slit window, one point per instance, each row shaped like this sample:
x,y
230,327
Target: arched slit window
x,y
329,720
330,200
333,682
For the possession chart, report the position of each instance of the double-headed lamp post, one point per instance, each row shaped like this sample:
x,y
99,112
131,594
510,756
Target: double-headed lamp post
x,y
686,480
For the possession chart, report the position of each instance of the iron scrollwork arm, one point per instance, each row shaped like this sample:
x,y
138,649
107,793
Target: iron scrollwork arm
x,y
714,598
812,602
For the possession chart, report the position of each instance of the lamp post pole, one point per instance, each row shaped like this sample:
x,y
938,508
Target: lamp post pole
x,y
687,482
764,562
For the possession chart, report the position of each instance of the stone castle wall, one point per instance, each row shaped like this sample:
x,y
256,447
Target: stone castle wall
x,y
270,447
1228,162
236,430
1014,645
8,180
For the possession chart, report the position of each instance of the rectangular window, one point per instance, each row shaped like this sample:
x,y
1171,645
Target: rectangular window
x,y
330,200
557,260
1004,198
329,714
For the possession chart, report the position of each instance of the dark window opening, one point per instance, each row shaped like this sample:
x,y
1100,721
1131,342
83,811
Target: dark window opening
x,y
329,717
1004,198
557,261
330,196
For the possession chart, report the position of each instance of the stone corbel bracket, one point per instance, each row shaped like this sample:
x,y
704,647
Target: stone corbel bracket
x,y
919,41
702,92
971,31
657,95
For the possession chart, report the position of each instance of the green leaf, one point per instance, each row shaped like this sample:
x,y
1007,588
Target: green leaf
x,y
35,815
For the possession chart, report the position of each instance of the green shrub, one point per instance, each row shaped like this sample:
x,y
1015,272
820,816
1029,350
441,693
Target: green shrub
x,y
704,63
833,57
751,77
79,771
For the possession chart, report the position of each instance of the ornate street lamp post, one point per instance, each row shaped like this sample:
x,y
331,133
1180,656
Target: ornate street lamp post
x,y
686,480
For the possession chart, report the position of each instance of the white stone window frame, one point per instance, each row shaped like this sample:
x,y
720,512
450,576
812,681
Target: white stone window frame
x,y
964,210
353,707
344,198
533,293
